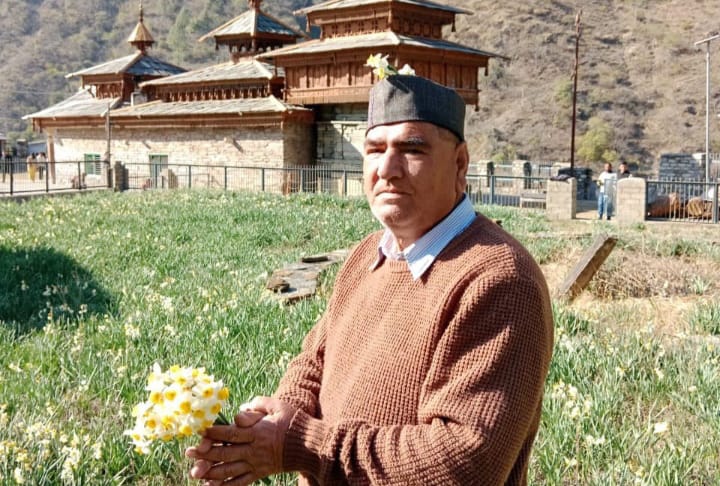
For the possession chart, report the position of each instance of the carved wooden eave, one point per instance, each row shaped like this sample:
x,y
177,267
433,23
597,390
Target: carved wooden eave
x,y
239,120
199,121
43,124
339,18
333,70
230,80
216,90
399,18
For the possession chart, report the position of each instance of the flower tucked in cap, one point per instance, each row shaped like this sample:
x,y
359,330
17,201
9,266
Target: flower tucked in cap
x,y
402,98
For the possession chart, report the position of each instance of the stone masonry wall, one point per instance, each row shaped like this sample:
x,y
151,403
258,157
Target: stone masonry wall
x,y
250,147
340,143
680,167
212,146
298,145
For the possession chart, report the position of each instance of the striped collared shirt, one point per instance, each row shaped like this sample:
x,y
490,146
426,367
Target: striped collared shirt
x,y
421,254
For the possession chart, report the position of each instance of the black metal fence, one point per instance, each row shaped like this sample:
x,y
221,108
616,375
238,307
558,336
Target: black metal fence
x,y
244,178
22,177
502,190
682,201
484,189
507,190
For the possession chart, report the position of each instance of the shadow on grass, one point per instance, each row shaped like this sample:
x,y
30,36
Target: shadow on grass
x,y
39,282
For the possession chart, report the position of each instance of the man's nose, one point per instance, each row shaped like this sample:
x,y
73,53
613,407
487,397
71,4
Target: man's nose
x,y
390,165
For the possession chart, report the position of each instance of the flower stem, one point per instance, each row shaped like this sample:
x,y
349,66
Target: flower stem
x,y
221,420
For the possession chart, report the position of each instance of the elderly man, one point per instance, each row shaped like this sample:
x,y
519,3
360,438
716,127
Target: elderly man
x,y
428,366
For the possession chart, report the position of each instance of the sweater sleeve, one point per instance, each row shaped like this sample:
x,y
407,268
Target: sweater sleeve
x,y
480,403
300,386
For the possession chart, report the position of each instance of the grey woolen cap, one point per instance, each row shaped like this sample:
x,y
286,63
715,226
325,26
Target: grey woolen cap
x,y
402,98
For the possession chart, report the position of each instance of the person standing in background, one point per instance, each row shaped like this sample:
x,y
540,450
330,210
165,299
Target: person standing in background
x,y
31,166
41,164
623,171
606,184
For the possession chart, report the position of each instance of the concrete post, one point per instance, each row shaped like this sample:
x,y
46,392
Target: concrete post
x,y
561,199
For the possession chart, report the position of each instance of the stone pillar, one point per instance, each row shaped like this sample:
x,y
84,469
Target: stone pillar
x,y
561,200
518,176
631,200
170,178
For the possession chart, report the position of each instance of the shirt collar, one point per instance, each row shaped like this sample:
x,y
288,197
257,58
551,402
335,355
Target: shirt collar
x,y
421,254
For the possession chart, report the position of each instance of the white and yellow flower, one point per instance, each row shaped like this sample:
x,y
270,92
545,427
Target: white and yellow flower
x,y
382,67
181,402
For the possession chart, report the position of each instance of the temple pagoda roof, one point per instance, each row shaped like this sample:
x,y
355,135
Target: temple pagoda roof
x,y
138,64
251,23
268,104
338,4
373,40
250,70
81,104
250,27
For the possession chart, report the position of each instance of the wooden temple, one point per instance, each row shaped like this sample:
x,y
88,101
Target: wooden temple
x,y
276,102
332,69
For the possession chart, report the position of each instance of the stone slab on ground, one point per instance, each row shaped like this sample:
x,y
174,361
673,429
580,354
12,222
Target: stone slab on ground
x,y
583,272
299,280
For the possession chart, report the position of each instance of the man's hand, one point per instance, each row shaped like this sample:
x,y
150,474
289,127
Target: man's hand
x,y
250,449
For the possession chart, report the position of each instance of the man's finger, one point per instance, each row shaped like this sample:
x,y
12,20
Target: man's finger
x,y
227,470
223,453
229,434
258,404
244,480
200,449
200,468
248,418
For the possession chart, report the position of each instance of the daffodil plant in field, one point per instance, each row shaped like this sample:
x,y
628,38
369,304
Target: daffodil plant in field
x,y
382,67
181,402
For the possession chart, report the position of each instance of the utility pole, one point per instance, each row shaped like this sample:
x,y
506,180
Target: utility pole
x,y
707,41
578,33
108,133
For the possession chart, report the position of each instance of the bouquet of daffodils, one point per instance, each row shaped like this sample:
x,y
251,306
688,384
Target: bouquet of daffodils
x,y
181,402
382,68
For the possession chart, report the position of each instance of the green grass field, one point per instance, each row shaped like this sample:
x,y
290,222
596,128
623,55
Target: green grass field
x,y
97,288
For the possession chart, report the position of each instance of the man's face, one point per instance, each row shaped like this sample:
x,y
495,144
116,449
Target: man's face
x,y
413,175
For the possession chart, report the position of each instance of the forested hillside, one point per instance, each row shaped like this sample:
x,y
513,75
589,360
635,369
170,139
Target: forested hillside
x,y
641,80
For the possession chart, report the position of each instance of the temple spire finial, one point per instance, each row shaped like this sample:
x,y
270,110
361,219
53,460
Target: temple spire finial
x,y
254,4
141,38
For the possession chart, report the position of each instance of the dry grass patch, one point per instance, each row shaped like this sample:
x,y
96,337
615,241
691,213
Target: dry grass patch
x,y
629,274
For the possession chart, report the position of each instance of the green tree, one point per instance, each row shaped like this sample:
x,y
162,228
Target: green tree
x,y
179,38
563,93
596,145
506,153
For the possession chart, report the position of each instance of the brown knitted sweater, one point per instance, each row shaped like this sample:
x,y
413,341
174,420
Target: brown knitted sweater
x,y
429,382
